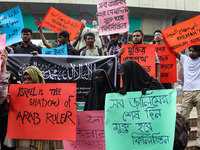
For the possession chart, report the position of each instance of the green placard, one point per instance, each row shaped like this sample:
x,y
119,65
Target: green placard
x,y
140,122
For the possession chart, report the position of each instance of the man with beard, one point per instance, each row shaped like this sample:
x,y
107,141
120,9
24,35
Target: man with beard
x,y
138,37
27,47
191,87
90,49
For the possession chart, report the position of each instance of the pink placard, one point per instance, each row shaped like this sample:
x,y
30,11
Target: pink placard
x,y
112,17
90,133
2,45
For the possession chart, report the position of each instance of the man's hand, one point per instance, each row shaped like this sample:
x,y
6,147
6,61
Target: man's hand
x,y
121,50
4,60
128,11
34,52
76,103
40,28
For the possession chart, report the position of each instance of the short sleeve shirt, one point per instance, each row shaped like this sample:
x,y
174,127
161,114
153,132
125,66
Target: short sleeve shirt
x,y
191,73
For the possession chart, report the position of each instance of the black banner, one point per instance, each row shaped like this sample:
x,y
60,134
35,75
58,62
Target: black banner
x,y
65,69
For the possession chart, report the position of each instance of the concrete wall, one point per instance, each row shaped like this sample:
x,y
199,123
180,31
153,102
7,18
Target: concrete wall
x,y
186,5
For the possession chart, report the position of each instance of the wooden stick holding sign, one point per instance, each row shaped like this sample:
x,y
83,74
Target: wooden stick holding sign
x,y
42,111
57,21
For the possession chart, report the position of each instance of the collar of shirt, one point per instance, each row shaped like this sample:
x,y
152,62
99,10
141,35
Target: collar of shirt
x,y
30,45
92,49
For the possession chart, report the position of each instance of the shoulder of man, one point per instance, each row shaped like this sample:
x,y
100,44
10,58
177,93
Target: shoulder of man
x,y
35,46
99,50
17,49
75,51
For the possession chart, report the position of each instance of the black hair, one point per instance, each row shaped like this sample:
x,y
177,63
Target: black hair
x,y
116,34
64,33
196,48
88,34
139,31
27,30
157,31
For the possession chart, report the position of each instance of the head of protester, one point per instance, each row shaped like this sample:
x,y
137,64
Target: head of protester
x,y
100,85
194,52
135,78
26,35
114,38
158,37
138,37
32,74
27,47
89,39
63,37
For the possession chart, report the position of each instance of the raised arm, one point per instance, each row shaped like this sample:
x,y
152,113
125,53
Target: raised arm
x,y
78,36
4,77
124,39
178,56
44,41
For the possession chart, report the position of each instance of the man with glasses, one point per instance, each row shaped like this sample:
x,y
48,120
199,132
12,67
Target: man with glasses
x,y
158,41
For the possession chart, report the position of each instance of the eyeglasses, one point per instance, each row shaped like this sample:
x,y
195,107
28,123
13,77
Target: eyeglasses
x,y
157,35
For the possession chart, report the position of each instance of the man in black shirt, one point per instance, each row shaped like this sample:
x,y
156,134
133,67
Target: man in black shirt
x,y
27,47
63,38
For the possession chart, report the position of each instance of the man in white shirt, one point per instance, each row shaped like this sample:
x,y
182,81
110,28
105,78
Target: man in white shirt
x,y
191,87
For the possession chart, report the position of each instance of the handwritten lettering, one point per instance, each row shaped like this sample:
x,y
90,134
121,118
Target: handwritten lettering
x,y
31,117
44,103
179,45
121,127
26,92
166,66
118,103
59,118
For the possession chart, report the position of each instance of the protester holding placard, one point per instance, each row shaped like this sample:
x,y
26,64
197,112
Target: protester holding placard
x,y
27,47
158,41
33,75
4,77
113,46
90,49
4,82
191,87
138,37
63,38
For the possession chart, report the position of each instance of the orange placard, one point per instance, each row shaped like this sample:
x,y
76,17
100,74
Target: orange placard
x,y
57,21
168,72
42,111
143,54
183,35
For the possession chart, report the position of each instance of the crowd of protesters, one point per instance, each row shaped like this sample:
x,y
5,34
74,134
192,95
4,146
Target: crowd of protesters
x,y
134,77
